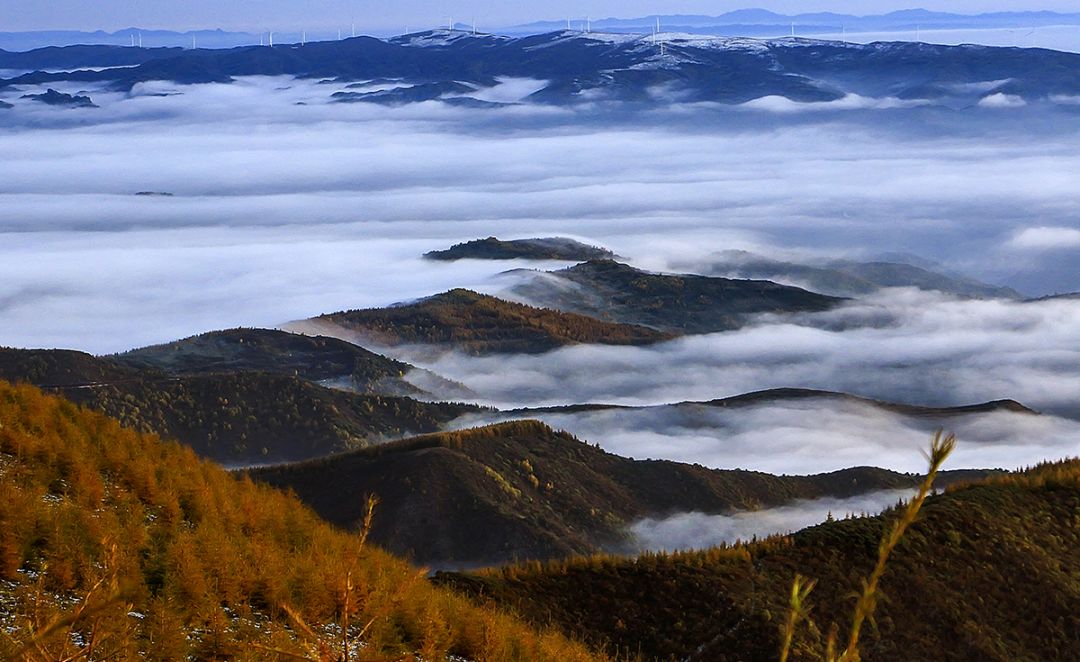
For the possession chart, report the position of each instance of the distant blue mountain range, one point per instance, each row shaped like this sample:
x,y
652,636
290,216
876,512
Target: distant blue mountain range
x,y
743,22
576,67
25,41
761,22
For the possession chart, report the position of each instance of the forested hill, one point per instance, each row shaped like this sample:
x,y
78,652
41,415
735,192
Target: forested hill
x,y
115,545
481,324
520,490
237,418
988,572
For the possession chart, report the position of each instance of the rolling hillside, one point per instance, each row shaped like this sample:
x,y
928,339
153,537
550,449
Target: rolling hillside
x,y
965,584
56,368
315,358
238,418
521,490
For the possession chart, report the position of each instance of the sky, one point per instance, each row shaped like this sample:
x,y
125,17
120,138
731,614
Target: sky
x,y
258,15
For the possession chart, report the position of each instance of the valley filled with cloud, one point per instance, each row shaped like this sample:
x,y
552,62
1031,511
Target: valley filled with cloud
x,y
327,207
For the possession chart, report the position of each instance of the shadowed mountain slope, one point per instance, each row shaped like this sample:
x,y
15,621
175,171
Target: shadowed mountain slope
x,y
258,418
681,304
988,572
234,418
315,358
60,367
522,490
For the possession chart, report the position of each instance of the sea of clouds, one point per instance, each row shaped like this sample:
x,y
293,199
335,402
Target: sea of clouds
x,y
286,206
281,211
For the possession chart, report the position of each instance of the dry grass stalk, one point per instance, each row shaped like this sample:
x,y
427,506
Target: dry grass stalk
x,y
103,594
940,449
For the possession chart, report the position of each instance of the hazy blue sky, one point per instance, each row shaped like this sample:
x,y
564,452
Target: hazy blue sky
x,y
280,14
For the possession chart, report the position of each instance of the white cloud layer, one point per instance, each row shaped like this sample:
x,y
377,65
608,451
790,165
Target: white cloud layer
x,y
1047,238
687,531
814,436
284,211
899,344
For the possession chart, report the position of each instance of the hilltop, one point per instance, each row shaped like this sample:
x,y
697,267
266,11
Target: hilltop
x,y
978,556
56,368
481,324
780,395
52,97
521,490
548,248
675,303
137,549
320,359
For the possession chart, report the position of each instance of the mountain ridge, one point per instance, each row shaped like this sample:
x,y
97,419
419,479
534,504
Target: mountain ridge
x,y
682,304
521,490
482,324
978,555
595,67
240,418
769,396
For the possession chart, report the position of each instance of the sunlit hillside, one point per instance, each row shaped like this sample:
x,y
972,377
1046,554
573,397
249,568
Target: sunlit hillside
x,y
116,545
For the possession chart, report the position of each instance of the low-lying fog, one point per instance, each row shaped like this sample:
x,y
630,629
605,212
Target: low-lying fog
x,y
811,436
699,531
901,345
285,206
